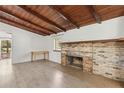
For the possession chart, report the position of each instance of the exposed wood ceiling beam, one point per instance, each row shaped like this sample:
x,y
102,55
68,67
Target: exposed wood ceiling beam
x,y
41,17
26,20
9,18
94,13
13,23
64,16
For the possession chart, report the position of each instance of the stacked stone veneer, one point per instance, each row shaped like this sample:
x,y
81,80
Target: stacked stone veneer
x,y
103,58
82,49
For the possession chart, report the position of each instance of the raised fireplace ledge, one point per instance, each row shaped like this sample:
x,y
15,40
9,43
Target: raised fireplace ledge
x,y
94,41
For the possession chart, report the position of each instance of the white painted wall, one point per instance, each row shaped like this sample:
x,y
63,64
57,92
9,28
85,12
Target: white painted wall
x,y
0,49
23,42
110,29
4,35
54,56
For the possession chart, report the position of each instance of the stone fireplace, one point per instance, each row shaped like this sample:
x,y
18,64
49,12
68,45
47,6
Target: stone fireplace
x,y
104,58
80,56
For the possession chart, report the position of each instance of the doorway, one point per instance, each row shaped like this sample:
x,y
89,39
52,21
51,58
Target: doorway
x,y
5,49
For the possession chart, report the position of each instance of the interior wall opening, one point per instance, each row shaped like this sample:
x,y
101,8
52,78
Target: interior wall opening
x,y
5,48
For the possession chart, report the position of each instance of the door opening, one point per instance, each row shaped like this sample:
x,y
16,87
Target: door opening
x,y
5,49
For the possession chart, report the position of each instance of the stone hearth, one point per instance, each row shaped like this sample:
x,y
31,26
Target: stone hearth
x,y
103,58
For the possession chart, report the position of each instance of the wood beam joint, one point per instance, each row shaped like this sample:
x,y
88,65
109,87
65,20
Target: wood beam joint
x,y
25,20
27,9
95,14
16,24
64,16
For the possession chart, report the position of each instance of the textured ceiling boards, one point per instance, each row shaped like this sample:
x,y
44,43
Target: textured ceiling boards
x,y
49,19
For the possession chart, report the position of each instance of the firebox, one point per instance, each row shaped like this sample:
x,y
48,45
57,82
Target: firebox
x,y
75,61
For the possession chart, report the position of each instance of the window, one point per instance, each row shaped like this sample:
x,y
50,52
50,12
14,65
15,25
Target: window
x,y
57,45
5,46
57,40
5,49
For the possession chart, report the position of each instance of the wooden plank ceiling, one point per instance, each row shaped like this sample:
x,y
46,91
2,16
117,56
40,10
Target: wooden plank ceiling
x,y
47,19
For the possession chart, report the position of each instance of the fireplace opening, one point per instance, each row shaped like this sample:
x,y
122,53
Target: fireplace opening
x,y
75,61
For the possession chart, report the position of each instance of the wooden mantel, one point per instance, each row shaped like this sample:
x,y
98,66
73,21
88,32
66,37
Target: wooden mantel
x,y
105,40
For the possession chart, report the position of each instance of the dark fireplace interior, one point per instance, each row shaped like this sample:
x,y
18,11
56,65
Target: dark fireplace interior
x,y
75,61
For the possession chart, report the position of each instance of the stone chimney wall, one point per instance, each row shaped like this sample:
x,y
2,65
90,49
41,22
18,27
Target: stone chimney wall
x,y
102,58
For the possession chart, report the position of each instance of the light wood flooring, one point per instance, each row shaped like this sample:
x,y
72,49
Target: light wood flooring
x,y
42,74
